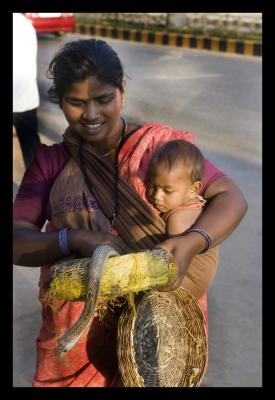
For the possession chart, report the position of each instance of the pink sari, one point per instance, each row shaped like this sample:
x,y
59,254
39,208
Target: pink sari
x,y
92,361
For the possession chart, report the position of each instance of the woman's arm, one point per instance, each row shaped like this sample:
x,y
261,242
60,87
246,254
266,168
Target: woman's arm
x,y
34,248
226,206
181,220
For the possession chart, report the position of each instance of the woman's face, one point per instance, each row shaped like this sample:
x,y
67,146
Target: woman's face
x,y
92,109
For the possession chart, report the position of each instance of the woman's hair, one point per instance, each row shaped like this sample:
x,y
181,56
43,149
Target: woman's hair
x,y
183,153
80,59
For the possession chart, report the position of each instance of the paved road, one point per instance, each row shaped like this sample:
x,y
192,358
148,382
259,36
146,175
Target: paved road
x,y
219,98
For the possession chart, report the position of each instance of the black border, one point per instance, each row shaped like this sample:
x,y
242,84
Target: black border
x,y
6,231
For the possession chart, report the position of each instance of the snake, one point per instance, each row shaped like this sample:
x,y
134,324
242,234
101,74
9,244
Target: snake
x,y
95,267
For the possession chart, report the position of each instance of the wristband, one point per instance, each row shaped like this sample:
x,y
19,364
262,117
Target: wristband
x,y
205,235
63,241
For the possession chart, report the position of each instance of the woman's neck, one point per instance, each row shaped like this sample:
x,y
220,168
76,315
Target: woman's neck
x,y
107,148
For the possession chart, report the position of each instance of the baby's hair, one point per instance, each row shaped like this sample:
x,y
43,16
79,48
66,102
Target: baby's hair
x,y
180,152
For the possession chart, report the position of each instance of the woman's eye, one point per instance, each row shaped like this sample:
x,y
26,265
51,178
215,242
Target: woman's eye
x,y
76,103
168,191
104,100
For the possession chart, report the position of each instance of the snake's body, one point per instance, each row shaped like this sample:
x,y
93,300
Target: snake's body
x,y
96,265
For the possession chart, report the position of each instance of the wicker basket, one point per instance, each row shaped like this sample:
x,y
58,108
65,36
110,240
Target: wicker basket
x,y
162,342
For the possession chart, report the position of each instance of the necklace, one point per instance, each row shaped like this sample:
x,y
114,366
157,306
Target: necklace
x,y
116,175
113,217
124,128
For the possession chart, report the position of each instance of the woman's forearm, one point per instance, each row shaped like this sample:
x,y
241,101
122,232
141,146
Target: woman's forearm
x,y
224,211
34,248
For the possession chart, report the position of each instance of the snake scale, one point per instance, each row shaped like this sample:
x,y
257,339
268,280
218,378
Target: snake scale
x,y
96,266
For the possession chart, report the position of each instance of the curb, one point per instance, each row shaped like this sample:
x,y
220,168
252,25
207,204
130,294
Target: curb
x,y
243,47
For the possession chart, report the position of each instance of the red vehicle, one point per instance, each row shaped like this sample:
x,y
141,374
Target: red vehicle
x,y
52,22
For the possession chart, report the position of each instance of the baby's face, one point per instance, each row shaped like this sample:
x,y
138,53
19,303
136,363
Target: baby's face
x,y
169,189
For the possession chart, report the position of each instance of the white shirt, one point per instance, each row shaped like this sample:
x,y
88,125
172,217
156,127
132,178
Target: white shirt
x,y
25,89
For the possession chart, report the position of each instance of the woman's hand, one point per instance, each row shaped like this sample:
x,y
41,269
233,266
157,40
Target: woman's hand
x,y
183,249
84,241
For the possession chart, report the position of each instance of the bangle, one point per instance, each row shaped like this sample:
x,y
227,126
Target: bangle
x,y
63,241
205,235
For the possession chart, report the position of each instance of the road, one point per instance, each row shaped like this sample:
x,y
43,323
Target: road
x,y
217,96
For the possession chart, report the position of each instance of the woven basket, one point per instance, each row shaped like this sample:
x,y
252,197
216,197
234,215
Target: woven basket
x,y
162,342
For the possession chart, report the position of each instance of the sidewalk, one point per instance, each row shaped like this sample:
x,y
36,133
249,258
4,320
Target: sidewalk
x,y
242,47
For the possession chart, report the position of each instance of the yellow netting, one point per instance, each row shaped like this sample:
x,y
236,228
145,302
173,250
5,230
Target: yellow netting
x,y
122,276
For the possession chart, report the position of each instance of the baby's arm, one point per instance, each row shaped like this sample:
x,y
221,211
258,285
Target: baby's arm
x,y
181,220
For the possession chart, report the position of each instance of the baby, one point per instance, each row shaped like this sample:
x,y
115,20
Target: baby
x,y
174,182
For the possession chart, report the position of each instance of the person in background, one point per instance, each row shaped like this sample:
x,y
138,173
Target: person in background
x,y
90,190
25,88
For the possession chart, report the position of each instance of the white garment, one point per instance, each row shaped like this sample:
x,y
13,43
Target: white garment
x,y
25,89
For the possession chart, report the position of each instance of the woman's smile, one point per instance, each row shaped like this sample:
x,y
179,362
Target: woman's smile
x,y
93,128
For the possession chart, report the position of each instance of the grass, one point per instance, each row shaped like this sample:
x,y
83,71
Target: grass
x,y
223,34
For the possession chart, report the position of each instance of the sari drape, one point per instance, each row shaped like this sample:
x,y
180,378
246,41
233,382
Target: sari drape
x,y
92,362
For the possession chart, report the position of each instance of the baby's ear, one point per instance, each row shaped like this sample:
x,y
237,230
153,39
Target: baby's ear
x,y
195,189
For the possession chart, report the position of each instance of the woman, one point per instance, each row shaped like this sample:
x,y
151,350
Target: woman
x,y
94,184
